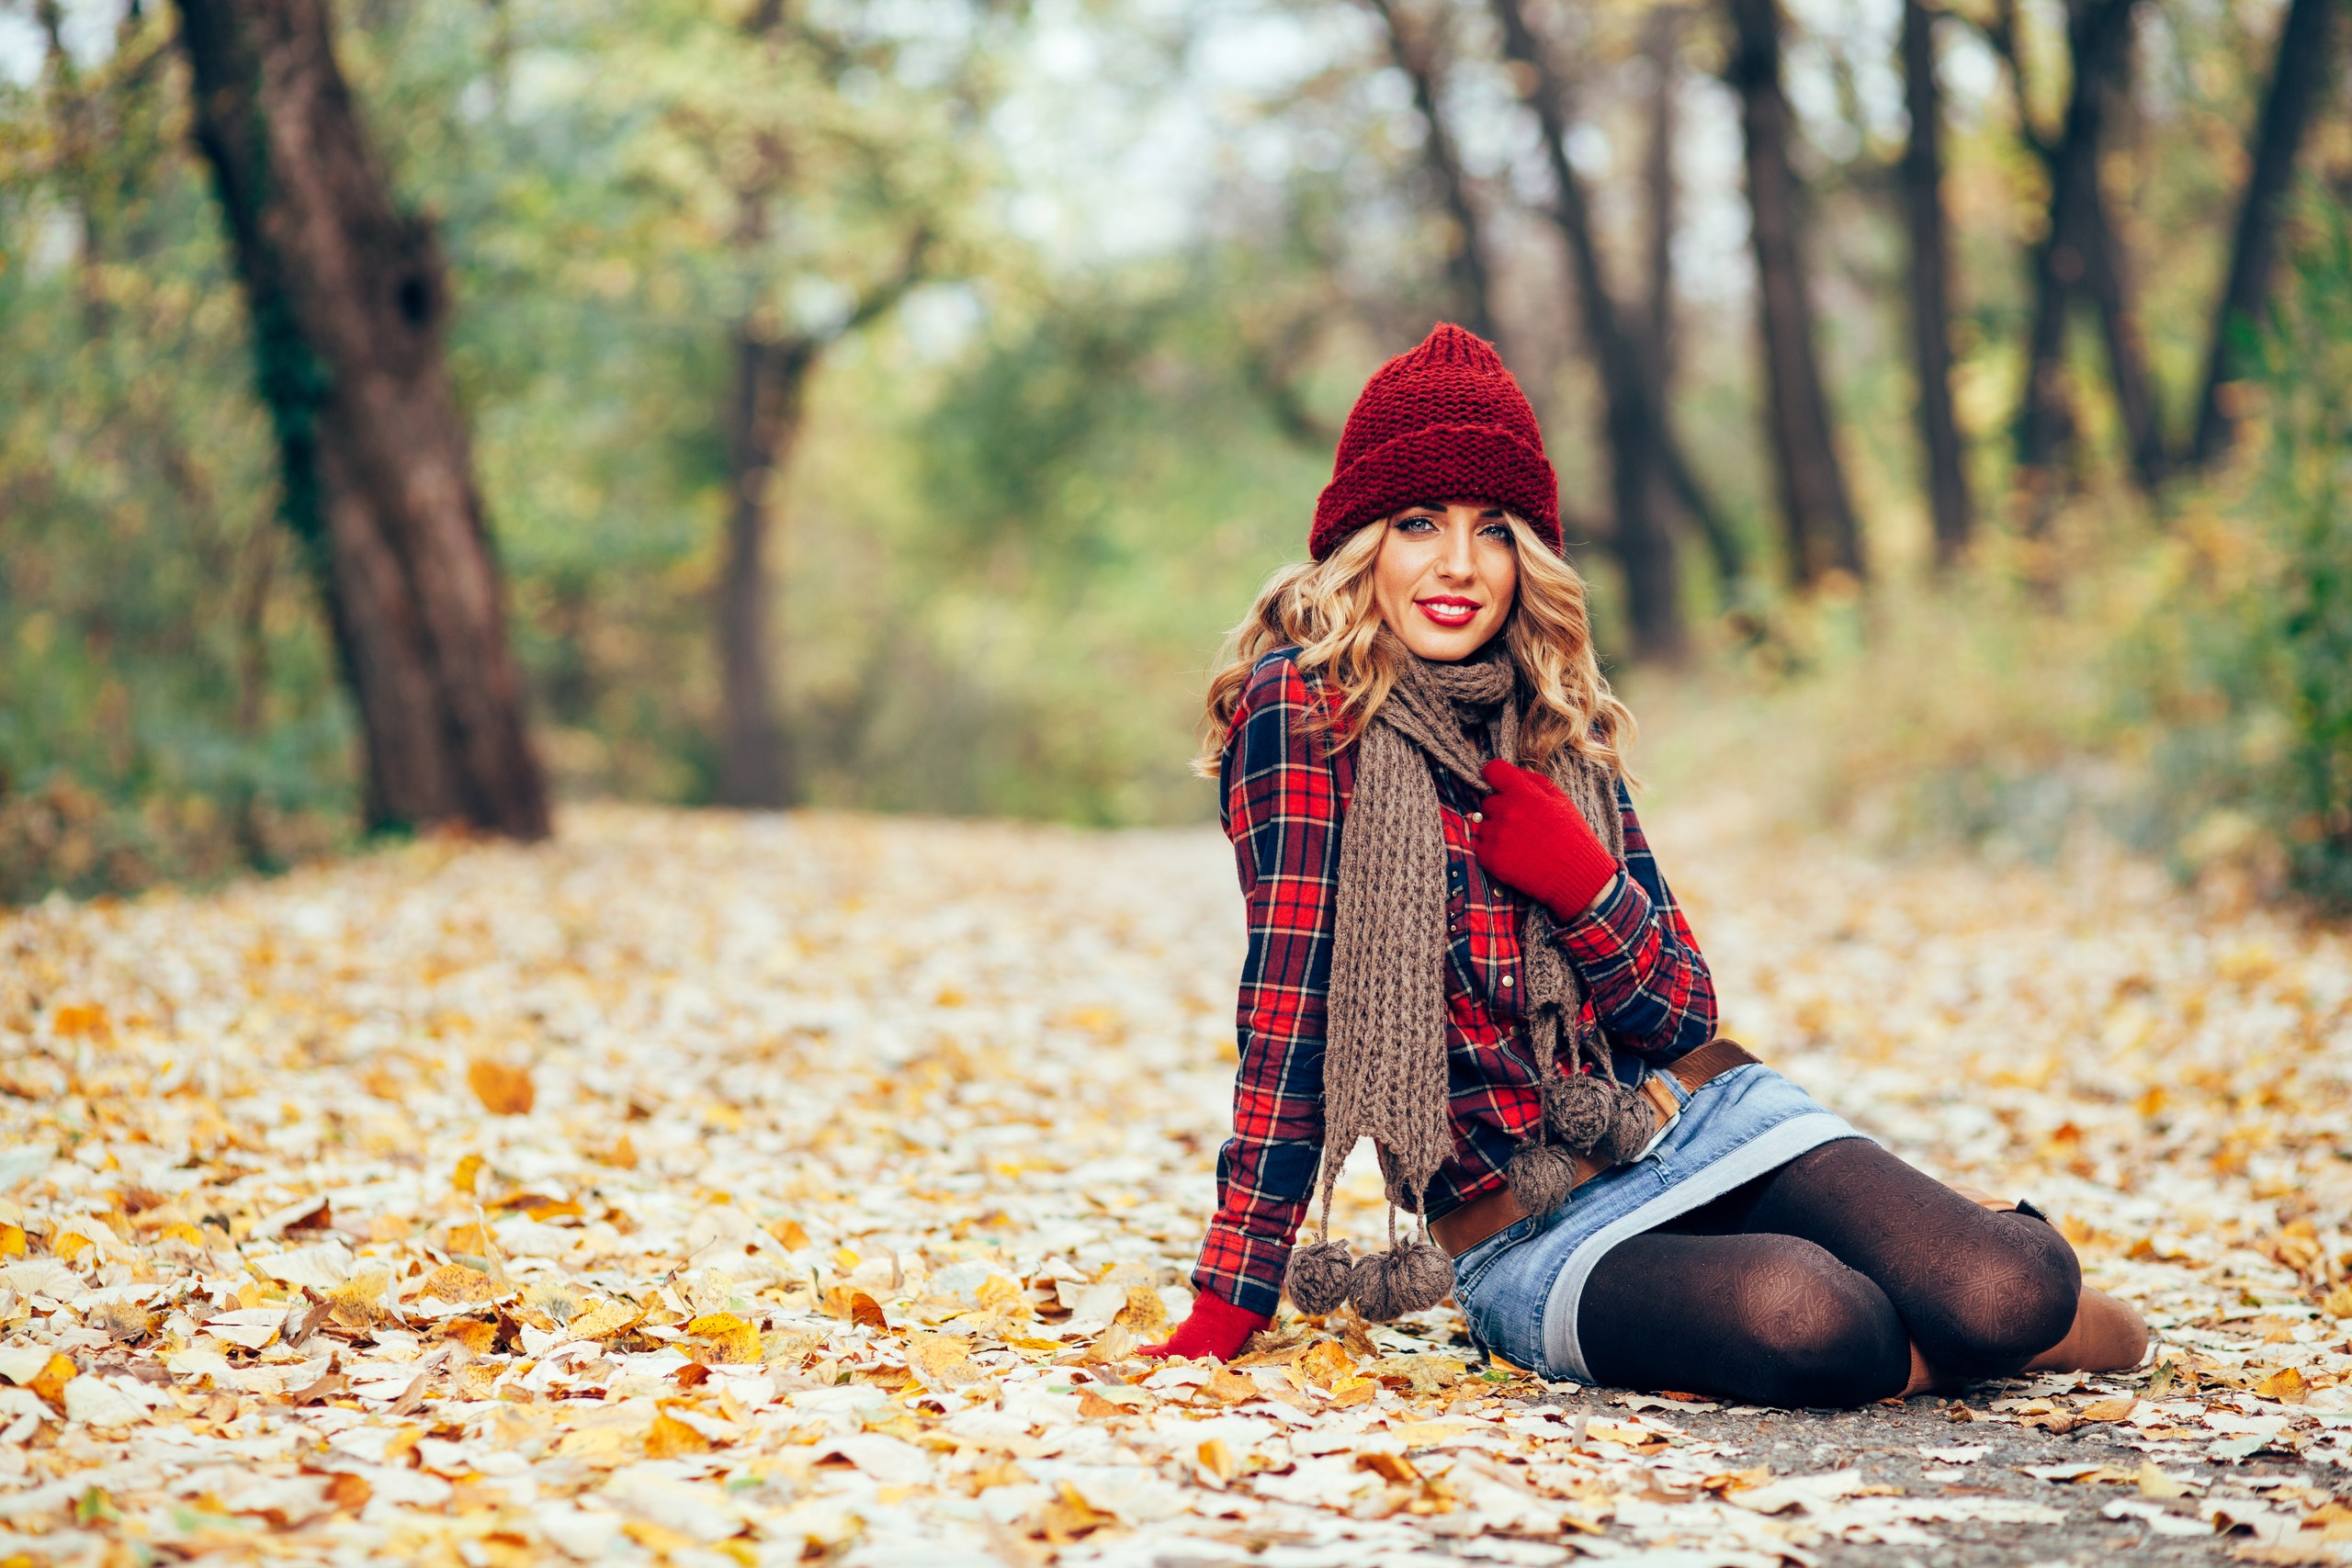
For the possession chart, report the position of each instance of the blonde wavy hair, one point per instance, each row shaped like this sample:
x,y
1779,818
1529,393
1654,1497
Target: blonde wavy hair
x,y
1325,608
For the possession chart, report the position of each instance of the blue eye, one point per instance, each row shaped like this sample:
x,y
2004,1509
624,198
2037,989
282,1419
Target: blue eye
x,y
1417,523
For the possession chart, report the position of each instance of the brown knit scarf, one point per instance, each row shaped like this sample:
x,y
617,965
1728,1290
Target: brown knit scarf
x,y
1384,1062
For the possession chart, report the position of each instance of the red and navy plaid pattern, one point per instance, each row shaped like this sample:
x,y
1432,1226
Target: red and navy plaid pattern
x,y
1286,789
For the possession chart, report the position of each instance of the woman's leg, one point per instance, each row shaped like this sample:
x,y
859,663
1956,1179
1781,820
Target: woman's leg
x,y
1979,1291
1762,1319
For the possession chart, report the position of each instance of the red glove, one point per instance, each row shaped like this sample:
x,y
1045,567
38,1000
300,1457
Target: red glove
x,y
1533,838
1213,1327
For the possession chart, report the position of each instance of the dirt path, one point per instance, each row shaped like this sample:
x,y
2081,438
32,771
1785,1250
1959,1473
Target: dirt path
x,y
709,1189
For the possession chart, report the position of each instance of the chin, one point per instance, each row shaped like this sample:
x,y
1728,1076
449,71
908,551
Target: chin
x,y
1442,646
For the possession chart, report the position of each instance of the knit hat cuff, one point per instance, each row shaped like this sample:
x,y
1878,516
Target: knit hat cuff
x,y
1440,463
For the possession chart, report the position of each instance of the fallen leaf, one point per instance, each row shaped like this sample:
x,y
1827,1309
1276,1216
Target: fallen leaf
x,y
1145,1317
503,1089
2286,1385
468,1171
731,1341
670,1438
2119,1408
458,1285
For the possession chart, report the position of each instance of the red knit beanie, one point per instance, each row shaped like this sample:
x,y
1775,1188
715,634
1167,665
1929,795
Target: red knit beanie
x,y
1444,421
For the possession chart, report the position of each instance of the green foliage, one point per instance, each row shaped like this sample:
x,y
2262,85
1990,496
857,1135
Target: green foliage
x,y
2245,669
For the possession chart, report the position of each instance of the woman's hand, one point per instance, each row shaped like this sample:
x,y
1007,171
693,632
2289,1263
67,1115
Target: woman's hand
x,y
1531,837
1213,1327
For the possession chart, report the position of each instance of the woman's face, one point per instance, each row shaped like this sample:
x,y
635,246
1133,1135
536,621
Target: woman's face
x,y
1444,578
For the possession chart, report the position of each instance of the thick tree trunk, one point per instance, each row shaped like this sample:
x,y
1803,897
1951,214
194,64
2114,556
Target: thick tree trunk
x,y
771,382
1660,32
1817,513
348,299
2098,40
1632,411
2304,64
1413,48
1923,206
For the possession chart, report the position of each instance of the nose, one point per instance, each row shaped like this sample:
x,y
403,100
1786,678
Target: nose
x,y
1457,561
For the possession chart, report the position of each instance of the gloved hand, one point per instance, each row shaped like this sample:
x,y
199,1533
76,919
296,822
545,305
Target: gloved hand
x,y
1533,838
1213,1327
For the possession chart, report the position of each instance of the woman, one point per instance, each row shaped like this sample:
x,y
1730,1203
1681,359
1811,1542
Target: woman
x,y
1460,948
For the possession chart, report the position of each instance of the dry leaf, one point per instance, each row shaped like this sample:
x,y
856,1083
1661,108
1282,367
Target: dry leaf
x,y
1003,1297
1226,1386
941,1359
1217,1460
2155,1483
2285,1386
50,1381
670,1438
731,1341
1145,1317
788,1234
458,1285
1069,1516
503,1089
468,1171
2119,1408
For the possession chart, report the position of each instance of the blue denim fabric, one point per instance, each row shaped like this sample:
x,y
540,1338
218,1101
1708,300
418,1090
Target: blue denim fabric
x,y
1520,1287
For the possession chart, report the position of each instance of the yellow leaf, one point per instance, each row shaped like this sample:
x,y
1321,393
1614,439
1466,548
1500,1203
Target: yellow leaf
x,y
2285,1386
473,1332
457,1284
1395,1468
1003,1297
462,1179
1327,1363
943,1359
50,1381
1354,1391
471,1239
1226,1386
788,1234
669,1437
622,1156
1113,1345
503,1089
69,1244
12,1240
732,1340
1216,1459
539,1206
79,1022
1145,1315
603,1319
2115,1409
1070,1515
179,1231
2338,1302
844,1301
2155,1483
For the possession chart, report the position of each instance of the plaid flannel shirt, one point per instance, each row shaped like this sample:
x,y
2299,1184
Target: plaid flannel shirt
x,y
1285,790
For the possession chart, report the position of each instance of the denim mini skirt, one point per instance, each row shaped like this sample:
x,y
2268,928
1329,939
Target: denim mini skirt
x,y
1521,1288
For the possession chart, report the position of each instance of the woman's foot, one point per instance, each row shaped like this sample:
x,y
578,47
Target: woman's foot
x,y
2108,1336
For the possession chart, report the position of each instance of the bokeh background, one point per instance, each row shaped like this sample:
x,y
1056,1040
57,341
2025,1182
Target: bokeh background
x,y
1059,307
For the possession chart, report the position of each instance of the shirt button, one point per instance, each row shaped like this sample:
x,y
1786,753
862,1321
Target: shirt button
x,y
1506,979
1477,816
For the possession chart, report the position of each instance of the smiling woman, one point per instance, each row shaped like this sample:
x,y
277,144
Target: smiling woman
x,y
1445,578
1460,948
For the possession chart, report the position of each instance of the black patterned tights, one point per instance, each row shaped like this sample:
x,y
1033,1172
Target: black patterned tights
x,y
1807,1287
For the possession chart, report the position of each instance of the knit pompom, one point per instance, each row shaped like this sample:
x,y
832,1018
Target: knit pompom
x,y
1632,1122
1409,1277
1580,1107
1541,1176
1319,1276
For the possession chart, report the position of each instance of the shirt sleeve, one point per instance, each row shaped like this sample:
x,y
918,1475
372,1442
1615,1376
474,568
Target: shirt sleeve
x,y
1649,982
1282,808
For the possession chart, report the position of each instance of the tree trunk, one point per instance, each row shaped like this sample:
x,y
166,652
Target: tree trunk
x,y
1415,52
2098,36
771,383
348,301
1632,408
1660,31
1817,515
2305,63
1923,206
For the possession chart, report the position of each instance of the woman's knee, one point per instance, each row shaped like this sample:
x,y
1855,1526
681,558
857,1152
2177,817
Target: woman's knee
x,y
1823,1333
2008,1299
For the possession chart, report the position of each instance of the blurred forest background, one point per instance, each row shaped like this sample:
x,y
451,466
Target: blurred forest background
x,y
888,403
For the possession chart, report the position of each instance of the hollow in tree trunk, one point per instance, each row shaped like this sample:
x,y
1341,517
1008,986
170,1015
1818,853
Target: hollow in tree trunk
x,y
1818,515
2309,43
1922,208
348,299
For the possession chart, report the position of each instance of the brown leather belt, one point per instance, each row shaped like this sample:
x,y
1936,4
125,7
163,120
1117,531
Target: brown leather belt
x,y
1467,1227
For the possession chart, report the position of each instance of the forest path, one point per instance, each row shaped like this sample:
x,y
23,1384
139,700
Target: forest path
x,y
843,1159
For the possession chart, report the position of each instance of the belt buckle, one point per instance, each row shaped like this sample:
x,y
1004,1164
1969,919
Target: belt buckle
x,y
1669,1109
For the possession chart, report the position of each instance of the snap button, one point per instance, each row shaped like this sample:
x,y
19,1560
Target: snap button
x,y
1506,979
1477,816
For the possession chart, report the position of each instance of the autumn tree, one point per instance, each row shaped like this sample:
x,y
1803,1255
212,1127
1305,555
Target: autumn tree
x,y
1925,221
1817,513
2304,63
349,298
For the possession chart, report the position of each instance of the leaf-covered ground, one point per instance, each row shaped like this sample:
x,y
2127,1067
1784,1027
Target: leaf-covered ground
x,y
712,1190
